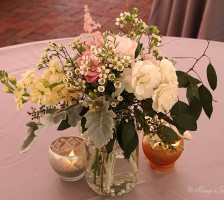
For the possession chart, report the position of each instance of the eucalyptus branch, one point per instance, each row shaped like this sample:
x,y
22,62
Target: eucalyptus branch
x,y
197,60
197,75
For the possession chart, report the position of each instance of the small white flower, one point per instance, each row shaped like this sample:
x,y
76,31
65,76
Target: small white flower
x,y
113,104
117,84
126,60
120,68
120,98
84,70
65,80
101,81
103,71
77,71
101,88
111,77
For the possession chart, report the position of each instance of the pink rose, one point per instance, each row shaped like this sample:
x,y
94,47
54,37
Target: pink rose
x,y
92,75
125,46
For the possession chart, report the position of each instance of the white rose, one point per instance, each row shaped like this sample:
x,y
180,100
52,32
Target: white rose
x,y
145,78
164,97
168,72
124,45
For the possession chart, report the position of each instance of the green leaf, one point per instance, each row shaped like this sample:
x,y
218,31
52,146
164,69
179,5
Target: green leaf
x,y
64,125
119,132
167,134
138,49
147,107
166,118
212,77
185,121
181,112
110,145
100,125
127,137
192,91
196,107
184,79
180,107
83,124
206,100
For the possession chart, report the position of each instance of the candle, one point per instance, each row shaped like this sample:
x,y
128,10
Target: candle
x,y
68,157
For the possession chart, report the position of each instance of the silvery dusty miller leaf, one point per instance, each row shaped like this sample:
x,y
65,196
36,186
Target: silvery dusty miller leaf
x,y
35,130
100,125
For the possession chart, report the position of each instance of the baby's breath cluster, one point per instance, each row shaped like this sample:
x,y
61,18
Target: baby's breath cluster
x,y
131,24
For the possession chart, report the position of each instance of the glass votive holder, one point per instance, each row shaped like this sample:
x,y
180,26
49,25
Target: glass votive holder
x,y
68,157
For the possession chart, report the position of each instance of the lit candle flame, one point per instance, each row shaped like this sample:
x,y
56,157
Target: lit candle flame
x,y
71,153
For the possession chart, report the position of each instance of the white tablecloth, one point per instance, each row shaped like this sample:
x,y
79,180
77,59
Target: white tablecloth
x,y
198,174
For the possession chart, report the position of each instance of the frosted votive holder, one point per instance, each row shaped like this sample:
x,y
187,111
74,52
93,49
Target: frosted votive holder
x,y
68,157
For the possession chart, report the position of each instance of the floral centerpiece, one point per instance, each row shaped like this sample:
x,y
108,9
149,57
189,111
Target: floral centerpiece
x,y
112,85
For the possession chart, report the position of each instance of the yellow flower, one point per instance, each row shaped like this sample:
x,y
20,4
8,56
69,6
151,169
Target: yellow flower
x,y
40,95
54,73
27,79
19,98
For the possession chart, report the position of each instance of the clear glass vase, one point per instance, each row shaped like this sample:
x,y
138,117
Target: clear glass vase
x,y
111,174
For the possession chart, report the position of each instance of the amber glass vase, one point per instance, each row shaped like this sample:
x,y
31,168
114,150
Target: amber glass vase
x,y
161,157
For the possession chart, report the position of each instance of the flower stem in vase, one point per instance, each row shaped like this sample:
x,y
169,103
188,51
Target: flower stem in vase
x,y
109,170
95,165
102,172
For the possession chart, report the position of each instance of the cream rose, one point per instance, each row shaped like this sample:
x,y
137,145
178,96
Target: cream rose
x,y
168,72
124,46
164,97
145,78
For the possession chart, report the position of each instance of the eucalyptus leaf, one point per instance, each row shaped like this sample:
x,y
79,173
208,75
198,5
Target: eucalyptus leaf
x,y
212,77
182,79
127,137
206,100
167,134
180,107
64,125
110,145
192,91
185,79
185,121
196,107
138,49
147,107
100,125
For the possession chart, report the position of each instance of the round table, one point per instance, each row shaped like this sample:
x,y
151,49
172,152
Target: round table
x,y
198,174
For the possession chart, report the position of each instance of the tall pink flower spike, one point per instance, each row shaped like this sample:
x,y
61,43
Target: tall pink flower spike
x,y
89,24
